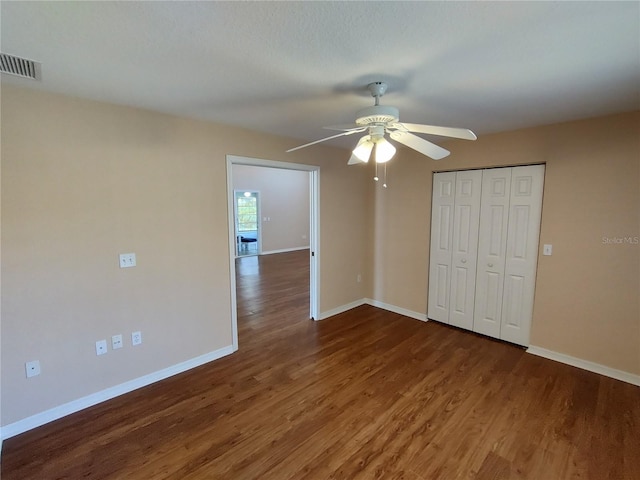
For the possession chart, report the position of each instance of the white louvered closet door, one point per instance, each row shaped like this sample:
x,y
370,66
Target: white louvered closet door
x,y
464,253
444,187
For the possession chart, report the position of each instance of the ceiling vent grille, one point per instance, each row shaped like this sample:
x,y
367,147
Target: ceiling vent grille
x,y
20,67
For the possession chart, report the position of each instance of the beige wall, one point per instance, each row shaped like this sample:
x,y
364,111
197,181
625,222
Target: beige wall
x,y
85,181
284,199
587,292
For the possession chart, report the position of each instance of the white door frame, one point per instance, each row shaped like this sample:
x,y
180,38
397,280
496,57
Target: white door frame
x,y
314,231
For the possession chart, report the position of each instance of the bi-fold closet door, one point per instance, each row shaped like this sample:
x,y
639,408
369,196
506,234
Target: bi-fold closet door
x,y
454,246
484,242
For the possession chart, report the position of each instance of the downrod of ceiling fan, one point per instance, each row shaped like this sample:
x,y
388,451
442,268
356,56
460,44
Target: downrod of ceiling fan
x,y
377,114
377,90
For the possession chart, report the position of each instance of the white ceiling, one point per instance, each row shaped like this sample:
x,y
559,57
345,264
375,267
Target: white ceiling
x,y
290,68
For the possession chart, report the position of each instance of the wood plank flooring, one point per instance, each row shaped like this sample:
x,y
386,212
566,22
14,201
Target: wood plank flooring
x,y
367,394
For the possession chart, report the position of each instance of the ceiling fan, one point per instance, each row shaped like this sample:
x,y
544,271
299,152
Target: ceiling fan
x,y
379,120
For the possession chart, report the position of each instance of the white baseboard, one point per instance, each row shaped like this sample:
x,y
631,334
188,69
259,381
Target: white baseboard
x,y
585,365
374,303
341,309
39,419
399,310
284,250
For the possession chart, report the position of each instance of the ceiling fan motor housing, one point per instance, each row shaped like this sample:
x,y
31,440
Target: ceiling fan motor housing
x,y
377,115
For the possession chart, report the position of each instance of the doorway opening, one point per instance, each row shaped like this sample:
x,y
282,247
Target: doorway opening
x,y
247,214
313,229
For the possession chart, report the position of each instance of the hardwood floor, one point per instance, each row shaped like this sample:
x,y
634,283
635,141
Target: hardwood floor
x,y
367,394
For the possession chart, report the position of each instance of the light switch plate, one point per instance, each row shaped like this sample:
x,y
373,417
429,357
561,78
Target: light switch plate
x,y
547,249
127,260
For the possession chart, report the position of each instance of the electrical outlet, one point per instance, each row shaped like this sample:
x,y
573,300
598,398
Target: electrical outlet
x,y
101,347
127,260
359,278
116,342
33,368
136,338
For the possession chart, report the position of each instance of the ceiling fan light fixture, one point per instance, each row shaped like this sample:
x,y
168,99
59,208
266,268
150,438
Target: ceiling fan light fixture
x,y
381,120
384,150
363,149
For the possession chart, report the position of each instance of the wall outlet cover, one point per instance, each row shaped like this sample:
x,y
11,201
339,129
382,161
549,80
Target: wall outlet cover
x,y
116,342
33,368
136,338
127,260
101,347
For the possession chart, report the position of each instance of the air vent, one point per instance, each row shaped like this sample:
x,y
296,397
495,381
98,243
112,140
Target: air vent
x,y
20,67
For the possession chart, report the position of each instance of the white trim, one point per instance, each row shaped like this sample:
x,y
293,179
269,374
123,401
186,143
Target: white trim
x,y
374,303
261,162
314,243
74,406
399,310
585,365
231,202
285,250
341,309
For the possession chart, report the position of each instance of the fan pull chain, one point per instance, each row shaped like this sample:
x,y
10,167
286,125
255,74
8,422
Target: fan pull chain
x,y
384,175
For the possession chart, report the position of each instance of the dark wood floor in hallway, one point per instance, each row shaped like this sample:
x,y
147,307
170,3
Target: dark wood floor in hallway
x,y
367,394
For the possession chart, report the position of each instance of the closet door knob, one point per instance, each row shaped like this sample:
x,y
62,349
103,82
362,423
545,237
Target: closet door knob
x,y
491,264
464,260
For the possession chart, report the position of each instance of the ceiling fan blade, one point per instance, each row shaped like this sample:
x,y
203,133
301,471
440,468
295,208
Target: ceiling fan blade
x,y
344,126
419,144
325,139
463,133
